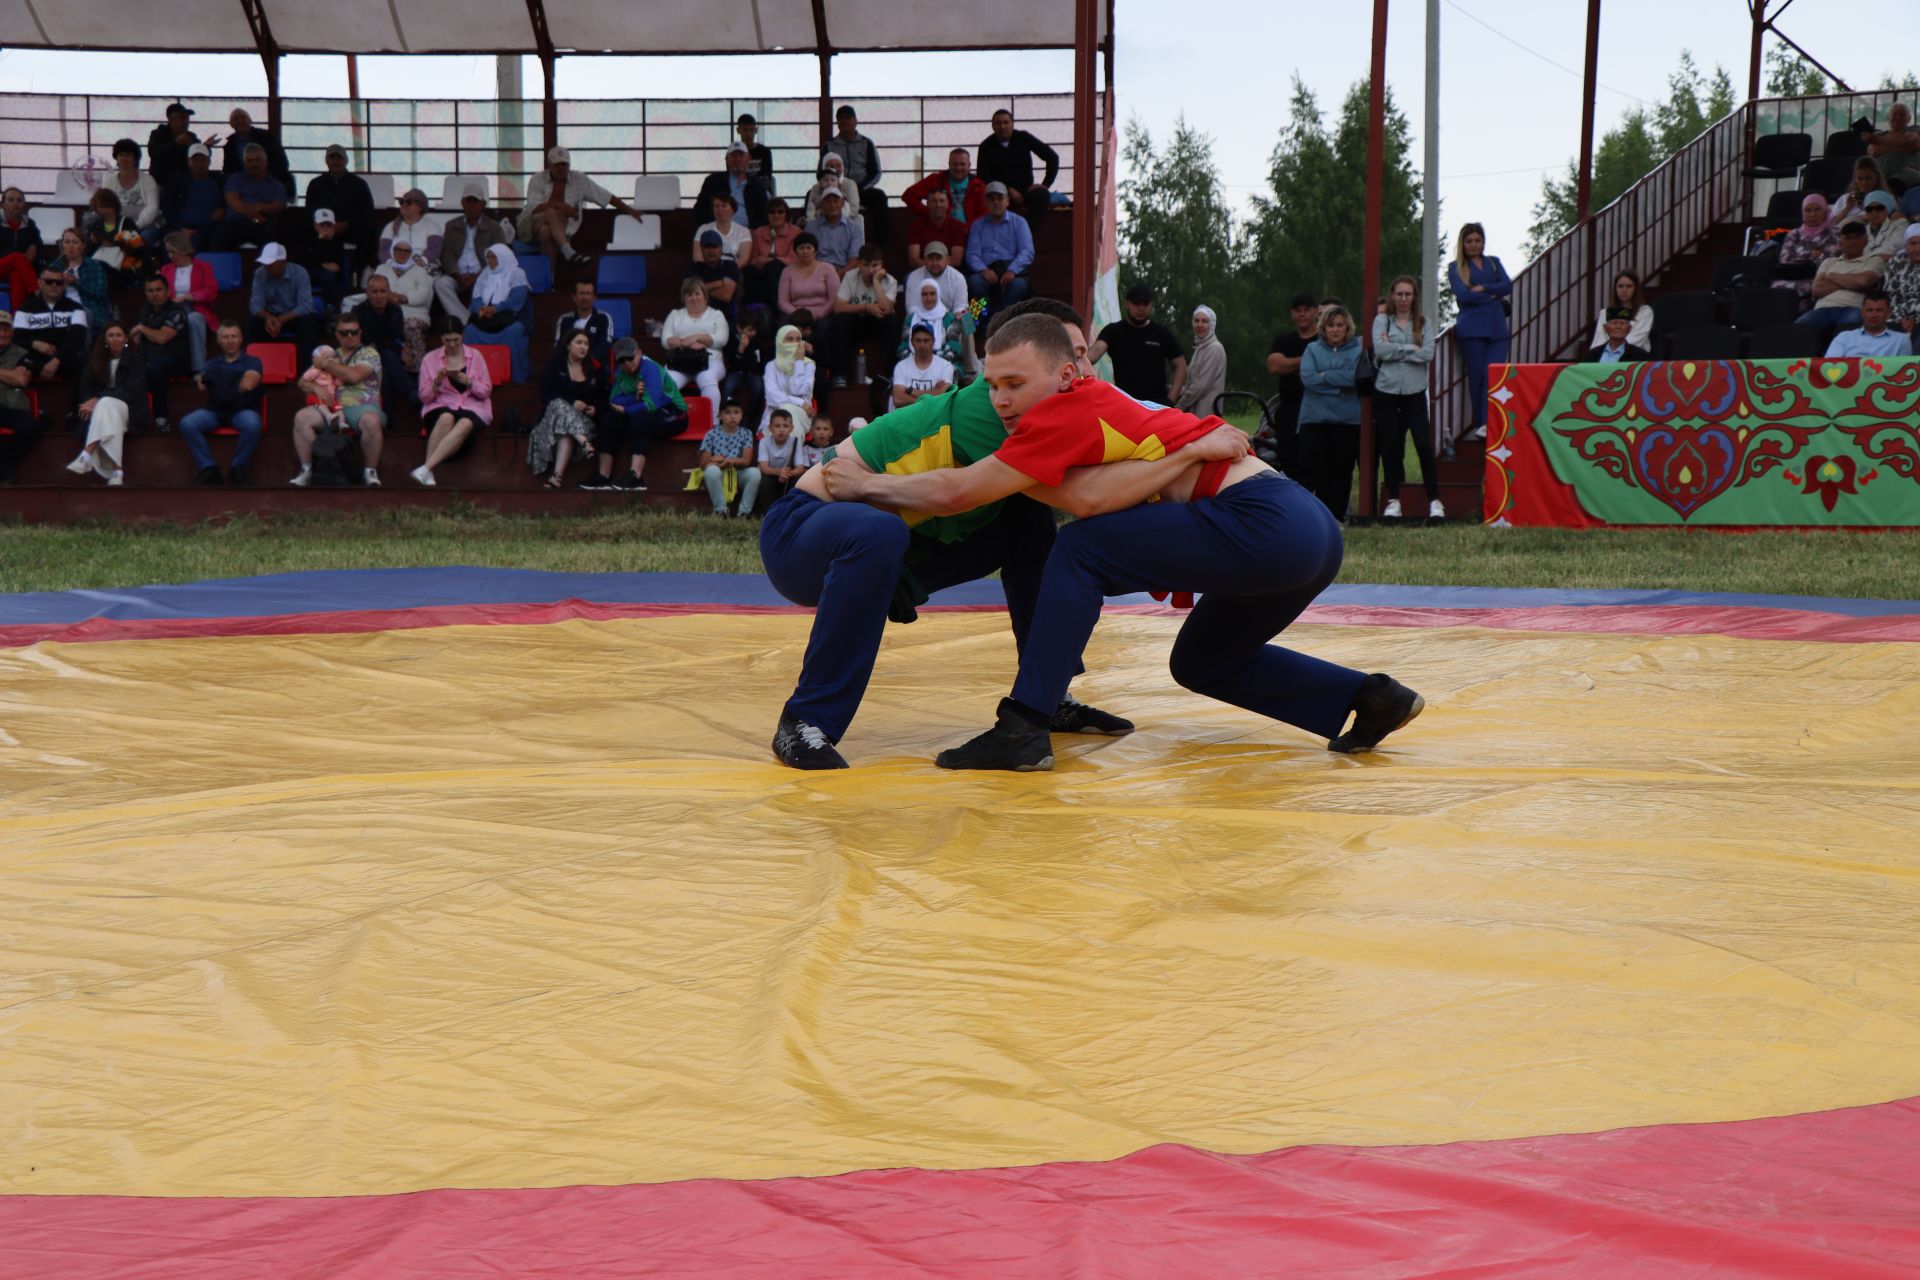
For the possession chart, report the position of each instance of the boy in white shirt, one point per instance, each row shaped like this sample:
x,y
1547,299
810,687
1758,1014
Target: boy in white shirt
x,y
922,373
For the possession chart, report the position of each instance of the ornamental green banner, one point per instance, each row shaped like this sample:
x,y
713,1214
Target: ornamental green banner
x,y
1705,442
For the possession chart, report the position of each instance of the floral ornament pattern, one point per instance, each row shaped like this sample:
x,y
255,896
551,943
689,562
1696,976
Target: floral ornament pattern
x,y
1884,420
1687,431
1830,477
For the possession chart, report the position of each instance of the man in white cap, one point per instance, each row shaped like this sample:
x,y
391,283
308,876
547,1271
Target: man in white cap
x,y
552,216
463,248
281,305
326,257
351,200
748,193
194,199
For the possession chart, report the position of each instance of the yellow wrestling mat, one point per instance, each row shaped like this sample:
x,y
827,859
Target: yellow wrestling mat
x,y
480,906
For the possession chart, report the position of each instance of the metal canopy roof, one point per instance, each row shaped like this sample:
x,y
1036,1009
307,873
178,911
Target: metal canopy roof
x,y
571,26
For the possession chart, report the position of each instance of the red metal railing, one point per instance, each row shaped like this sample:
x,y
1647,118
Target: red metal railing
x,y
1558,294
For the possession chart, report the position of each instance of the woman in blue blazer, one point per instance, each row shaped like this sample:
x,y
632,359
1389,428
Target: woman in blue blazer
x,y
1481,286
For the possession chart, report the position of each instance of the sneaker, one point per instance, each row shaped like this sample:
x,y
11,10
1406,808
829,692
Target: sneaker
x,y
81,464
1382,705
799,745
578,259
1477,434
1075,716
208,475
370,477
304,479
1392,510
239,475
629,483
117,479
1435,511
1018,741
424,476
595,483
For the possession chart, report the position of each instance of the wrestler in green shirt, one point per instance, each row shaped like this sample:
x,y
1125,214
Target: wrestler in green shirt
x,y
954,429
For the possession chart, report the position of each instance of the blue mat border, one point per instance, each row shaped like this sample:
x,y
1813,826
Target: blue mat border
x,y
341,590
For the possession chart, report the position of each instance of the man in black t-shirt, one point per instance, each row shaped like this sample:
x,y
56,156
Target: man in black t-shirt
x,y
1142,348
1284,360
161,336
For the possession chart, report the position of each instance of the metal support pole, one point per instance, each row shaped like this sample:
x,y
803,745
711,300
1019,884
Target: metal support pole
x,y
1430,205
1086,176
356,112
826,106
272,64
1758,8
1376,182
1583,198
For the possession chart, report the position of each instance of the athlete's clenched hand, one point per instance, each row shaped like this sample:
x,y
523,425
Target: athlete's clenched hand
x,y
1222,444
846,481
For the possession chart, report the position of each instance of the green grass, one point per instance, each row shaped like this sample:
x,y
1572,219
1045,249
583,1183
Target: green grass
x,y
59,557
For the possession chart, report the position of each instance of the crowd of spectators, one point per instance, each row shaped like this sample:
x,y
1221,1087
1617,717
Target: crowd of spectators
x,y
781,300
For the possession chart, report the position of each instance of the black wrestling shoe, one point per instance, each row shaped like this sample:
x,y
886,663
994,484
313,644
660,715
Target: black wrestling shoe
x,y
1018,741
799,745
1382,705
1075,716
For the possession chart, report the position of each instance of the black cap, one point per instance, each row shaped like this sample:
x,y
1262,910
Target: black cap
x,y
843,113
1139,293
1303,300
176,108
1620,313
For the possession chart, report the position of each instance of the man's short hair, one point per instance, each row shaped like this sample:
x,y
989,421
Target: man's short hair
x,y
844,112
1044,334
870,253
1002,112
1139,293
157,278
228,324
252,147
580,284
1854,229
777,413
1302,300
801,317
1053,307
1876,294
746,117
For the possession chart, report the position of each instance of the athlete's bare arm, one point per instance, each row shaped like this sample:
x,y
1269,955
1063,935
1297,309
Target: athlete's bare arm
x,y
1087,490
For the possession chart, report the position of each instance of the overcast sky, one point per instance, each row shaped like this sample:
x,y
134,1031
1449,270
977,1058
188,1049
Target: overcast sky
x,y
1507,114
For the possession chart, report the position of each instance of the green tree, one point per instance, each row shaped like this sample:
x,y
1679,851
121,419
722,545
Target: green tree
x,y
1306,230
1791,76
1639,144
1179,231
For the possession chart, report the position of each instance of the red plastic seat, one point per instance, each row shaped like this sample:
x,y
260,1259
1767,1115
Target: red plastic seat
x,y
279,362
699,418
499,362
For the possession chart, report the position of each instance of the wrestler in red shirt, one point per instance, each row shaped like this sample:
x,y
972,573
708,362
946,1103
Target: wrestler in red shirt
x,y
1258,544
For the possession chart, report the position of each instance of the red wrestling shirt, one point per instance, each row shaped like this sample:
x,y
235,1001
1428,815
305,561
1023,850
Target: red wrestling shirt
x,y
1091,423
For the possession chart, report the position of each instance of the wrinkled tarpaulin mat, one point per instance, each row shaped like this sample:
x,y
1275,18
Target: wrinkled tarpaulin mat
x,y
511,907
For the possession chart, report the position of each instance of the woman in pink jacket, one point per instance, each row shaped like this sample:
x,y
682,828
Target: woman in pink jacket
x,y
191,284
456,396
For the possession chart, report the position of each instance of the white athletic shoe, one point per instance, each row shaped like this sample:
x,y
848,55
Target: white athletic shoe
x,y
304,479
81,464
1477,434
422,475
1435,511
1392,510
371,477
117,479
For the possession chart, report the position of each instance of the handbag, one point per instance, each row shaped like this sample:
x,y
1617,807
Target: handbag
x,y
110,256
687,360
1363,374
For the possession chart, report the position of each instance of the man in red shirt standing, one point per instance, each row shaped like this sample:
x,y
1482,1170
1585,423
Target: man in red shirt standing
x,y
1258,545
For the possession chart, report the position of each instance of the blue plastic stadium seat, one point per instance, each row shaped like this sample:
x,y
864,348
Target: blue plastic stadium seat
x,y
622,273
620,311
226,269
1910,203
6,300
539,274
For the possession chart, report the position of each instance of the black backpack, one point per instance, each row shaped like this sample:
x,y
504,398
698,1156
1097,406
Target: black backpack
x,y
336,459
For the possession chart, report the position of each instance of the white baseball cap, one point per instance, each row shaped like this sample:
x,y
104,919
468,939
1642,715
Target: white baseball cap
x,y
558,155
272,253
320,216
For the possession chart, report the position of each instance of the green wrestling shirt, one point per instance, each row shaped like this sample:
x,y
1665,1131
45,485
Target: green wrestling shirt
x,y
954,429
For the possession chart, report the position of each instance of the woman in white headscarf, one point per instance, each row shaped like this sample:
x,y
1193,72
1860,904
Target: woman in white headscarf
x,y
502,308
790,381
1207,369
833,174
412,287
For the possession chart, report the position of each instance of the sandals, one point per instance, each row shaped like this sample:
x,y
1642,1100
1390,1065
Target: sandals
x,y
554,481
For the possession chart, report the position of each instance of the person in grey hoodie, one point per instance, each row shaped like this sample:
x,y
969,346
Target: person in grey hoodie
x,y
1403,352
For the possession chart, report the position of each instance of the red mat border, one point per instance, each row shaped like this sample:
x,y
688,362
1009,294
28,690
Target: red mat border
x,y
1739,622
1827,1194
